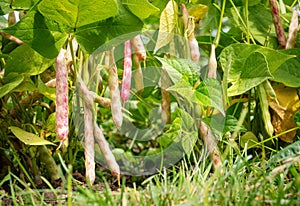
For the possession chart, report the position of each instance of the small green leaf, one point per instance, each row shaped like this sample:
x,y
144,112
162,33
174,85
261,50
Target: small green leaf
x,y
11,82
181,68
248,139
209,93
26,61
5,6
50,93
141,8
297,118
28,138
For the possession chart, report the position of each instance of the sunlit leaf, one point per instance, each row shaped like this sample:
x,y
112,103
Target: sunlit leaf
x,y
141,8
198,11
25,60
77,13
168,21
28,138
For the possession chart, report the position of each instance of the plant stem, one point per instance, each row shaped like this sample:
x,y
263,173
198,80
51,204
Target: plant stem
x,y
247,20
217,39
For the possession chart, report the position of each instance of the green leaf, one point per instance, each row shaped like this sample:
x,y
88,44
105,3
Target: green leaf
x,y
209,93
260,22
290,151
254,72
181,68
77,13
5,6
297,118
141,8
181,131
26,85
288,73
11,81
236,59
48,92
43,35
28,138
248,139
23,4
26,61
118,29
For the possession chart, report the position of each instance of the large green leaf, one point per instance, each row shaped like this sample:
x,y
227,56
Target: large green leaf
x,y
244,72
25,60
77,13
254,71
43,35
122,27
11,81
260,22
289,73
141,8
28,138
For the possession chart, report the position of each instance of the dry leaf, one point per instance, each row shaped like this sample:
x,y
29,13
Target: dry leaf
x,y
198,11
283,112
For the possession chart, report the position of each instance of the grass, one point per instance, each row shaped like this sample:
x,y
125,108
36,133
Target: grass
x,y
244,181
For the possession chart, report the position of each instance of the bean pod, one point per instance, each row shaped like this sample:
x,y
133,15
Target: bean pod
x,y
127,72
116,107
139,48
62,108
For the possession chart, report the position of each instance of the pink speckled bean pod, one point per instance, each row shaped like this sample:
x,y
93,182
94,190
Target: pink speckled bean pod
x,y
107,153
277,23
138,47
62,108
89,150
116,107
127,72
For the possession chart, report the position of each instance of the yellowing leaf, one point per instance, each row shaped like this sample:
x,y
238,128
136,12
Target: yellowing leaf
x,y
198,11
28,138
168,20
282,118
